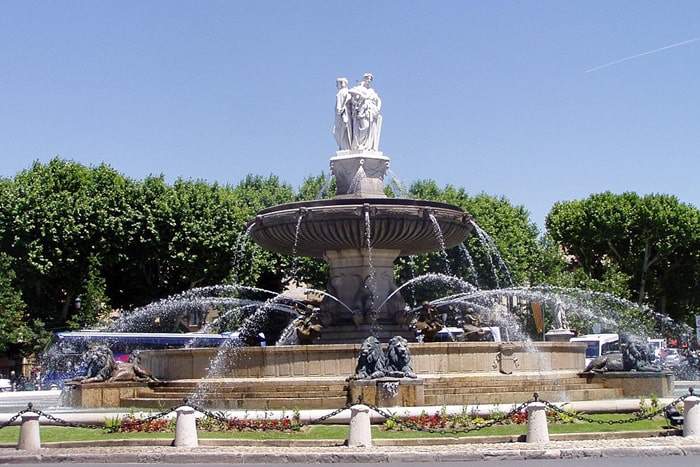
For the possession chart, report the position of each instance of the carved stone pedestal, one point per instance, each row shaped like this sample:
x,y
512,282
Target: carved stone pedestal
x,y
352,283
388,392
359,174
558,335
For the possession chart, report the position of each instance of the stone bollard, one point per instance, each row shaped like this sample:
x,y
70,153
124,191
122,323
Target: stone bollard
x,y
29,436
691,415
360,434
537,430
186,428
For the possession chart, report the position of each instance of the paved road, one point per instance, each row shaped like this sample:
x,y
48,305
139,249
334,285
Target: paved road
x,y
676,461
11,402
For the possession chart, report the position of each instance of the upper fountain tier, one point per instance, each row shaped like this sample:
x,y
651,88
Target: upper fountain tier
x,y
360,208
312,228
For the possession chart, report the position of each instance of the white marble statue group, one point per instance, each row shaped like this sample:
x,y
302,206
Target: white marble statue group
x,y
358,122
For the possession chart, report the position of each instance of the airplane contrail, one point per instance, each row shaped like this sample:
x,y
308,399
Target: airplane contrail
x,y
677,44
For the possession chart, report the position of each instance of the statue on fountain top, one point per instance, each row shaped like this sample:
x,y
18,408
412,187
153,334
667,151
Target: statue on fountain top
x,y
358,122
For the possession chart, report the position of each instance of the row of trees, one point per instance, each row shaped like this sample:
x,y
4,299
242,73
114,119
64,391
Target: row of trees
x,y
68,231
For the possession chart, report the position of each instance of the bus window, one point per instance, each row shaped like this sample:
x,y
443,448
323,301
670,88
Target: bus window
x,y
592,349
610,347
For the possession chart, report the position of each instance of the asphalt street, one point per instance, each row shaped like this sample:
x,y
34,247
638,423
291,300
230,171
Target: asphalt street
x,y
676,461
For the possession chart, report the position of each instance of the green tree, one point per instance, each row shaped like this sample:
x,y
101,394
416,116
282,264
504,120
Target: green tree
x,y
510,226
94,302
14,331
653,239
56,216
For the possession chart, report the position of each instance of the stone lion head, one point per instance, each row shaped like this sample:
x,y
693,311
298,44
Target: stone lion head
x,y
399,358
98,360
371,362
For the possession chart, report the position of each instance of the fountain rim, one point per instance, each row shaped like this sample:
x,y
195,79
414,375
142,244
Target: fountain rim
x,y
354,206
321,203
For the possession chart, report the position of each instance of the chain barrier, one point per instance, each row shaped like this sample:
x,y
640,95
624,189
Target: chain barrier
x,y
63,422
416,427
16,416
499,420
382,412
315,421
621,421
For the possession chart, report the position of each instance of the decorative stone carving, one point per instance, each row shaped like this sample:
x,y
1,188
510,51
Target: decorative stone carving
x,y
349,281
473,331
634,355
342,129
308,325
399,359
359,175
358,121
101,367
506,361
428,322
371,364
560,321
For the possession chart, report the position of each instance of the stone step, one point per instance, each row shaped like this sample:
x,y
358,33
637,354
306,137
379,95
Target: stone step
x,y
495,389
515,377
245,395
520,397
269,404
488,384
251,388
500,383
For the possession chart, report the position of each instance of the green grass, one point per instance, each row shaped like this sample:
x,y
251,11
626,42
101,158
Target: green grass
x,y
53,434
503,430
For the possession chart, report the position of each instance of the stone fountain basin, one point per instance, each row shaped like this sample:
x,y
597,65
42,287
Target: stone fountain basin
x,y
339,224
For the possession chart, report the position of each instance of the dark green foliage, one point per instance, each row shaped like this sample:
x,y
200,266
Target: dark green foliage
x,y
509,225
654,240
69,231
14,330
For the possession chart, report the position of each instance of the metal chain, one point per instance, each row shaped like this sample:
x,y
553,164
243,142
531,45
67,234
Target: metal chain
x,y
328,415
380,411
315,421
620,421
63,422
417,427
13,418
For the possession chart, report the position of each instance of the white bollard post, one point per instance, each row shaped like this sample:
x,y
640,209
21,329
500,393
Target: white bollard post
x,y
691,415
360,434
186,428
537,430
29,436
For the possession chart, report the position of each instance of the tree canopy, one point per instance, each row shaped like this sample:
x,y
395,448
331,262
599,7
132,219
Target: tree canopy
x,y
70,232
653,239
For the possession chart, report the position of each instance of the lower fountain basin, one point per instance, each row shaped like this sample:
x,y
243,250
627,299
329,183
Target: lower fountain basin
x,y
403,225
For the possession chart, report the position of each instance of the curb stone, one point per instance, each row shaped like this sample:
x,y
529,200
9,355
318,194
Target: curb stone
x,y
330,455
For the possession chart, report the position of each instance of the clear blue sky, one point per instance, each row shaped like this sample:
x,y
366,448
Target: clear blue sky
x,y
491,95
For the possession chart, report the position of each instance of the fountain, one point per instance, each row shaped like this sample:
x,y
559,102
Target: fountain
x,y
360,233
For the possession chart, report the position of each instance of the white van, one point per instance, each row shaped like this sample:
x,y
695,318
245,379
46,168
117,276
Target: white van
x,y
598,344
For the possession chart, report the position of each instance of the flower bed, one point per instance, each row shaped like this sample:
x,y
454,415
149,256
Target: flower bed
x,y
467,420
216,422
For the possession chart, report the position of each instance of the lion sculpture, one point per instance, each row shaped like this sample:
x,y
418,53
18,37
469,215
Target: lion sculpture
x,y
371,363
399,359
634,355
102,367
